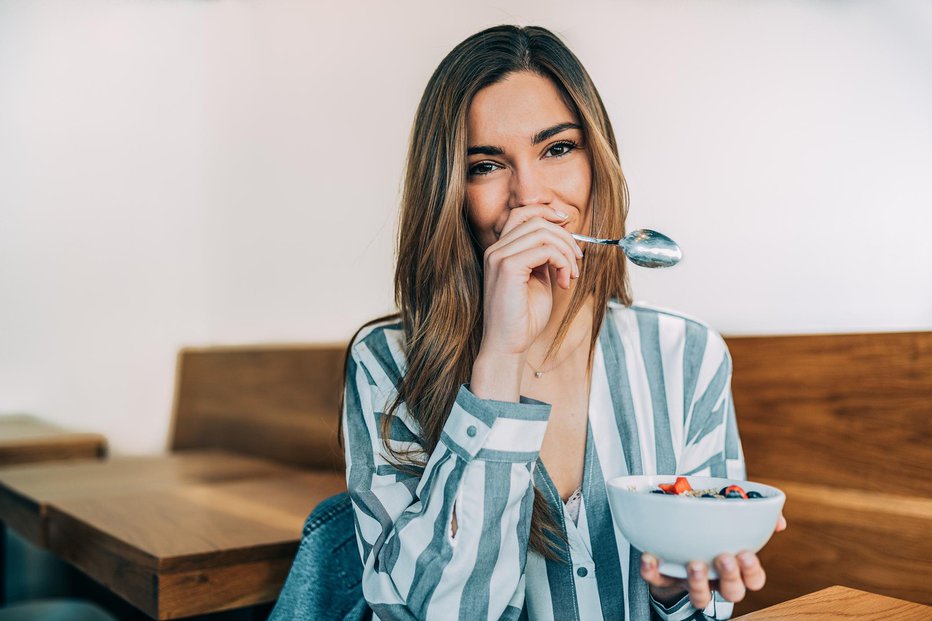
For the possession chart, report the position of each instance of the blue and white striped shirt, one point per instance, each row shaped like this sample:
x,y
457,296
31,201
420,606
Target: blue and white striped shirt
x,y
660,403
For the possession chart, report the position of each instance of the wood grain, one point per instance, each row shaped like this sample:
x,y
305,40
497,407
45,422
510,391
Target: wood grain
x,y
222,588
191,549
870,541
838,602
27,491
25,439
843,424
277,402
852,410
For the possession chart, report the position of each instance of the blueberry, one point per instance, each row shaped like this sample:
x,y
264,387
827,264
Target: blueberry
x,y
657,491
721,492
755,495
734,494
708,496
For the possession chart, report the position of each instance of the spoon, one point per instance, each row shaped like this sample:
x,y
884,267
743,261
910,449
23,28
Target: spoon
x,y
643,247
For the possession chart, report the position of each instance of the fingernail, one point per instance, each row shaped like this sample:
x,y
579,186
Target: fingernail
x,y
745,559
578,251
647,562
727,563
694,568
560,214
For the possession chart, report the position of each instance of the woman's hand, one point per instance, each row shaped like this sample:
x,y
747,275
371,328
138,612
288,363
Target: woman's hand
x,y
736,575
517,295
517,288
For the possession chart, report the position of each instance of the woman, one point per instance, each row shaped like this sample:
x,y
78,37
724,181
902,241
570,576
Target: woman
x,y
480,426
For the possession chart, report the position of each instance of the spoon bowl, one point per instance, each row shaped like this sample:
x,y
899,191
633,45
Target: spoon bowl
x,y
643,247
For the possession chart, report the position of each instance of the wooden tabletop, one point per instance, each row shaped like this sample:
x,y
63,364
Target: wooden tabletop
x,y
839,602
27,491
194,548
25,439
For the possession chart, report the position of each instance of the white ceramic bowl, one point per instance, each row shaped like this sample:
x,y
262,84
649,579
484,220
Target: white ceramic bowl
x,y
679,529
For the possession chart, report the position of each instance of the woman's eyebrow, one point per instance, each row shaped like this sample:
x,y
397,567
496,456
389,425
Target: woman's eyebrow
x,y
484,150
542,135
539,137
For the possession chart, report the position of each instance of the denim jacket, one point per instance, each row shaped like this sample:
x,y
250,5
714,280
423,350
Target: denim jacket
x,y
324,583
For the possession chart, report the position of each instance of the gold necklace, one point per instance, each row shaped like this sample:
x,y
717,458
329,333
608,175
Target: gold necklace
x,y
538,373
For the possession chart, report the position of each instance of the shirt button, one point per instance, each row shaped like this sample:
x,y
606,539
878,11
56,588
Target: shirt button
x,y
582,572
471,431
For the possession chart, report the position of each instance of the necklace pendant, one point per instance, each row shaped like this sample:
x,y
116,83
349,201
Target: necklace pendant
x,y
538,374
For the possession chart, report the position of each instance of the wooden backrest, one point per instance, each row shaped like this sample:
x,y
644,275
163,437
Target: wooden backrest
x,y
852,410
843,424
278,402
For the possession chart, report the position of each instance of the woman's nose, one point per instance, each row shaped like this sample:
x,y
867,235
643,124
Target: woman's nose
x,y
529,187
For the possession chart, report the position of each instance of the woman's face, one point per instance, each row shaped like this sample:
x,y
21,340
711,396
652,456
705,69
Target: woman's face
x,y
525,148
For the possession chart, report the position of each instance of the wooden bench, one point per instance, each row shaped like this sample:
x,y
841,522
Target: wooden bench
x,y
843,424
840,422
279,402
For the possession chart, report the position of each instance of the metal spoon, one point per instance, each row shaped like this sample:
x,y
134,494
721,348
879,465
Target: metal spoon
x,y
643,247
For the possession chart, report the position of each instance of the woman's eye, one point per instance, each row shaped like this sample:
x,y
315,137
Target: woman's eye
x,y
482,168
561,148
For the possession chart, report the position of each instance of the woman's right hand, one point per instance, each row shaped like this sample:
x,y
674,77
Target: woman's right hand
x,y
518,298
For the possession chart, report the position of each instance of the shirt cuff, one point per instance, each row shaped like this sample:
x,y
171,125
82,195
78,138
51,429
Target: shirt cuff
x,y
495,430
684,610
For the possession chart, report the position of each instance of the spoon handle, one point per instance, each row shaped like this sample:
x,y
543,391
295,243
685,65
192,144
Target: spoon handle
x,y
595,240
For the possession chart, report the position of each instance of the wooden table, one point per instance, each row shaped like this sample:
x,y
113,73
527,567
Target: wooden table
x,y
27,492
183,534
839,602
25,439
191,549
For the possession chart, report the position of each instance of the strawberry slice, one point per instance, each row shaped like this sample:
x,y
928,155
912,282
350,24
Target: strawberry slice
x,y
731,490
681,486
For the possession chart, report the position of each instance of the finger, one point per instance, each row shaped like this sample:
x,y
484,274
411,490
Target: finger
x,y
524,260
697,580
523,263
650,572
533,239
781,524
730,584
539,236
752,573
536,224
520,215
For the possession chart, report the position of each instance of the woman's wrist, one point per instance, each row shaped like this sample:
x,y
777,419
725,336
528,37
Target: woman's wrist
x,y
497,376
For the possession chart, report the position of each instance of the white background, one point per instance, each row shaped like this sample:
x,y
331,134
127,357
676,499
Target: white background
x,y
189,172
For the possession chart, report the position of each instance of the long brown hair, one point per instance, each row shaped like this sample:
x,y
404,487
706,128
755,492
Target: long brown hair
x,y
438,275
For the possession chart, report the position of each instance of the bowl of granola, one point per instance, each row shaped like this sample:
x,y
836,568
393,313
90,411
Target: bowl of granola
x,y
682,519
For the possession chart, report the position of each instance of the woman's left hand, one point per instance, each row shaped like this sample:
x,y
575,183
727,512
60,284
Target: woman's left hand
x,y
736,575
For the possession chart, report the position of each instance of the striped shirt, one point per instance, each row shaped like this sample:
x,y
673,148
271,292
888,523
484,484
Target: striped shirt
x,y
660,403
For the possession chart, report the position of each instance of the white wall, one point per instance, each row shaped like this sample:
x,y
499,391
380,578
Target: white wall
x,y
187,172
